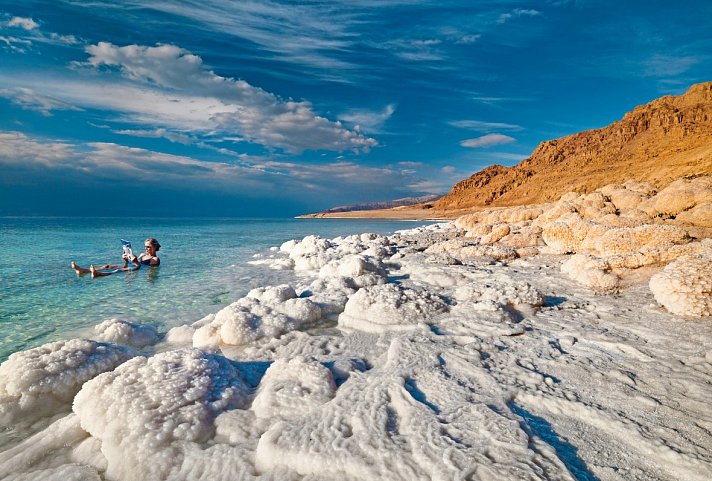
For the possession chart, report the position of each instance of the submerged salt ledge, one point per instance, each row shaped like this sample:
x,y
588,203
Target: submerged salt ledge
x,y
488,348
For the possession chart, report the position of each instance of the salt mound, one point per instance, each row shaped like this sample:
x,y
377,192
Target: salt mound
x,y
125,332
566,235
389,308
45,379
466,249
684,287
506,294
592,272
700,215
149,411
679,196
292,388
264,312
625,240
357,270
507,215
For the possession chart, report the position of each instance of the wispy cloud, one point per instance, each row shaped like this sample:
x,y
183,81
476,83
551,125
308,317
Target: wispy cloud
x,y
481,126
22,22
368,120
488,140
117,163
158,134
517,12
28,99
669,65
168,87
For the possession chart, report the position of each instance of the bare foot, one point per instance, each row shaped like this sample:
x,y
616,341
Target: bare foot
x,y
93,271
79,270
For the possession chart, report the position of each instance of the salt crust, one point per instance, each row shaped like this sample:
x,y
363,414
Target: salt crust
x,y
684,287
146,411
413,419
264,312
45,379
433,363
125,332
389,308
292,388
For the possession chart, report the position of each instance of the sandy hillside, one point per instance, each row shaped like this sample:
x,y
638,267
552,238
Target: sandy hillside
x,y
666,139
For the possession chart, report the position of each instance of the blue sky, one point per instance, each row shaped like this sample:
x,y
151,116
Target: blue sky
x,y
272,108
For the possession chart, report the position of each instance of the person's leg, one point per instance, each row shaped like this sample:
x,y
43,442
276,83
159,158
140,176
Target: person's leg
x,y
100,273
79,270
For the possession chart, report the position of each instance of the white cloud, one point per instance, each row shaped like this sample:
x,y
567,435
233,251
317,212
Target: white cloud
x,y
669,65
448,169
367,120
487,141
480,126
517,12
468,39
28,99
175,137
229,105
266,178
24,23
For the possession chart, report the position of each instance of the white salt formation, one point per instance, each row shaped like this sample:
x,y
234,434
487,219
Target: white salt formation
x,y
389,308
264,312
149,411
125,332
684,287
290,389
44,379
488,348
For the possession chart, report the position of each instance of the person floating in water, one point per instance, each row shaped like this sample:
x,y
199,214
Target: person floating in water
x,y
148,258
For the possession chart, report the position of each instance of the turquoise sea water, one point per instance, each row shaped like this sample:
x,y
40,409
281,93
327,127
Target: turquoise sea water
x,y
203,268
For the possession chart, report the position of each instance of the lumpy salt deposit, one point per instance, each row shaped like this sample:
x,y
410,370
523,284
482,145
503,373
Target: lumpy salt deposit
x,y
568,341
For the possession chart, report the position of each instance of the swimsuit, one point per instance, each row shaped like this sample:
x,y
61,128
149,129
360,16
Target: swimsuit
x,y
146,261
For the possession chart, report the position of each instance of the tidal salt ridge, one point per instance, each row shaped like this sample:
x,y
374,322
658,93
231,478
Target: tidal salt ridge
x,y
562,341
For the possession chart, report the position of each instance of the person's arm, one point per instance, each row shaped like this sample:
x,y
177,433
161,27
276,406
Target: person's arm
x,y
136,261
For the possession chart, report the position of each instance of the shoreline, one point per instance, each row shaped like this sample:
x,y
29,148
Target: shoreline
x,y
395,357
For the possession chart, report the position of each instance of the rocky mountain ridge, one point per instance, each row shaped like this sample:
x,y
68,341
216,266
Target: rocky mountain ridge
x,y
666,139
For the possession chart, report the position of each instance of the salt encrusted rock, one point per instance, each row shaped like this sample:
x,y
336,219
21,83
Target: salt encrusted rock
x,y
496,234
700,215
526,236
679,196
684,287
264,312
591,272
42,380
125,332
292,388
566,235
148,410
636,239
389,308
507,215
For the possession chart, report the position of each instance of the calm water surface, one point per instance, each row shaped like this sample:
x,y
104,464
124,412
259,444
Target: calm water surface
x,y
203,268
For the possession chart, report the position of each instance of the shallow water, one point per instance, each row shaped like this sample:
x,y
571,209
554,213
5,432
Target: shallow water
x,y
204,267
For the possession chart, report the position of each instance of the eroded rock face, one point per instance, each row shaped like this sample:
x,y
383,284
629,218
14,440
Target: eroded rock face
x,y
656,143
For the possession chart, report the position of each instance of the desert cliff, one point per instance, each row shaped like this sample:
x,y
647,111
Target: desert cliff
x,y
666,139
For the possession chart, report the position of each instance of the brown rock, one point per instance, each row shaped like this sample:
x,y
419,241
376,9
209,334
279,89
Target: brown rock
x,y
664,140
